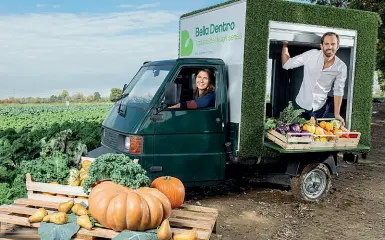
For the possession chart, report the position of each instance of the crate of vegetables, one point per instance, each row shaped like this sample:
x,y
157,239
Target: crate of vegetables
x,y
290,140
286,130
348,139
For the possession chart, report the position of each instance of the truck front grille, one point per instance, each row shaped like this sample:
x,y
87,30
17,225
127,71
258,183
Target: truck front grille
x,y
112,139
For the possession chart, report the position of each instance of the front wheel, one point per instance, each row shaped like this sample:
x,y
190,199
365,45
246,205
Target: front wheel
x,y
313,184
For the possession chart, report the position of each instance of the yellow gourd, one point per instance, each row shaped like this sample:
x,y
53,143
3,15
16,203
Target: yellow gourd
x,y
66,206
186,235
38,216
164,232
85,222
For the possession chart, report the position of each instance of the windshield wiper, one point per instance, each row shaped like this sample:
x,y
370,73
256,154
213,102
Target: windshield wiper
x,y
122,96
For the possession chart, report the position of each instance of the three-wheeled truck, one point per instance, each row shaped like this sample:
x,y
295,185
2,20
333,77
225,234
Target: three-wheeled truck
x,y
241,41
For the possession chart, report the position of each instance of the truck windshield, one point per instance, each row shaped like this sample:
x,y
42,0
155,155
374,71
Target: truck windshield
x,y
145,84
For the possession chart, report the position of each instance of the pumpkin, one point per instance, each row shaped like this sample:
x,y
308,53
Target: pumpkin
x,y
164,231
119,208
186,235
172,187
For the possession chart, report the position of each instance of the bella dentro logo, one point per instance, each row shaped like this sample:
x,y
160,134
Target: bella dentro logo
x,y
186,43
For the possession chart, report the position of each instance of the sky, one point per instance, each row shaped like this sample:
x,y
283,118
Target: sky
x,y
84,45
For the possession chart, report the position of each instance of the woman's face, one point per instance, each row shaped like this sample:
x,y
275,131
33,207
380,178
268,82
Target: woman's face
x,y
202,80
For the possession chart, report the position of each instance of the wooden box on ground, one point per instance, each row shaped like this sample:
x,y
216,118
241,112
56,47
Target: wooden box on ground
x,y
14,217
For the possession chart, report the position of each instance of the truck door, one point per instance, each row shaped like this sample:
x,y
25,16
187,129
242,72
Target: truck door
x,y
189,144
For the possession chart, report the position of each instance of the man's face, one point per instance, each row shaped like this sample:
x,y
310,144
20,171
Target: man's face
x,y
330,46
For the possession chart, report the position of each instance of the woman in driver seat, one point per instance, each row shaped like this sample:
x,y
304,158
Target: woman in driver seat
x,y
204,92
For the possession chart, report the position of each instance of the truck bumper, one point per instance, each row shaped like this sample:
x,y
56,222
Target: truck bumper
x,y
100,151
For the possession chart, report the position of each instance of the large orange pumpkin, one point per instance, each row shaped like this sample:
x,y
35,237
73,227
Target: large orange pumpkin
x,y
172,187
119,208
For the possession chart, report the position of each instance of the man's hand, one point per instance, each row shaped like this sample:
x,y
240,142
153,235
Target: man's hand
x,y
338,117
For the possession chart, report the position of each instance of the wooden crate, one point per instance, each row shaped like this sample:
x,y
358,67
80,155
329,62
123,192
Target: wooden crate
x,y
348,142
14,216
36,190
329,144
290,141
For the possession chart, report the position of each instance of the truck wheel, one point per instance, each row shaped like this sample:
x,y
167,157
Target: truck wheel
x,y
313,184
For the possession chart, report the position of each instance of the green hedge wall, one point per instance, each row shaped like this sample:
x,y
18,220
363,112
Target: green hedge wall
x,y
257,18
258,15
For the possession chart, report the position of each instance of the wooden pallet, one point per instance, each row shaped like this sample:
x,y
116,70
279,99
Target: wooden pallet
x,y
202,219
15,216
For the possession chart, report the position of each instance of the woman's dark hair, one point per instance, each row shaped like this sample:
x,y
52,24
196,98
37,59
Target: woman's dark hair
x,y
211,86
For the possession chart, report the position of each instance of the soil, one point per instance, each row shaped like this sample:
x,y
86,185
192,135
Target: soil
x,y
353,209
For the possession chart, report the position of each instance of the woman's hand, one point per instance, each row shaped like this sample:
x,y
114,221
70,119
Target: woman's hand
x,y
175,106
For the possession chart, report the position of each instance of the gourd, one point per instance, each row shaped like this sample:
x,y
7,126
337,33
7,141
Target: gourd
x,y
172,187
186,235
119,208
164,231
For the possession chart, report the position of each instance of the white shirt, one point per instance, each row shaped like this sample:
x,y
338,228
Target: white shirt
x,y
317,82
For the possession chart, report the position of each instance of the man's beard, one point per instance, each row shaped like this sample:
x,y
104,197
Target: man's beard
x,y
328,53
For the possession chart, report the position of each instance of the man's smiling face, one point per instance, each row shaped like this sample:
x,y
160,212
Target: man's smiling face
x,y
330,46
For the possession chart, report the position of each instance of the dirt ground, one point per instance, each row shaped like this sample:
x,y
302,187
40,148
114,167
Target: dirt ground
x,y
354,208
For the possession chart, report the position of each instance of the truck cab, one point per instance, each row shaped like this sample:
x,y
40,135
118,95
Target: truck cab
x,y
185,143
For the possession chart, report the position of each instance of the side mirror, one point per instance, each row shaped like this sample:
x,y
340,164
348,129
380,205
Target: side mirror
x,y
125,86
172,93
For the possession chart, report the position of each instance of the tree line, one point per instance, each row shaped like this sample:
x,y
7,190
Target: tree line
x,y
377,6
78,97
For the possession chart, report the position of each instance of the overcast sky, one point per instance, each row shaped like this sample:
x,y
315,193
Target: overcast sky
x,y
81,46
84,45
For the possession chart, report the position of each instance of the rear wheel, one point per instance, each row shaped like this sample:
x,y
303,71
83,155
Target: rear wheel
x,y
313,184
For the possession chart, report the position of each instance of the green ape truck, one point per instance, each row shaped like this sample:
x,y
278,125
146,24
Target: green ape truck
x,y
241,41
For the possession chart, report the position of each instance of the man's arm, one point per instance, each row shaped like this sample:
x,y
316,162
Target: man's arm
x,y
285,56
339,86
293,62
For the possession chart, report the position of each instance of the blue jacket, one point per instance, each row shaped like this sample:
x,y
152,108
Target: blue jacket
x,y
206,101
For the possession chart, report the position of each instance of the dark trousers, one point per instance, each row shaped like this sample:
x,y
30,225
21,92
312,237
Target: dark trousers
x,y
320,113
327,110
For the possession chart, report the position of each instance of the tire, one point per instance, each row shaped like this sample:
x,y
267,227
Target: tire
x,y
313,184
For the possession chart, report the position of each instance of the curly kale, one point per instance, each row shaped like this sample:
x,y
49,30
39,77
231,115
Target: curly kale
x,y
50,169
62,142
270,123
118,168
5,194
289,115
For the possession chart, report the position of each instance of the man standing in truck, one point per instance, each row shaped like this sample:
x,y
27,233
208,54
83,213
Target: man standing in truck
x,y
322,69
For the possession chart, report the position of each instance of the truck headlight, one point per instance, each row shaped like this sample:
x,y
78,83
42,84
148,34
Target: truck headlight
x,y
134,144
127,143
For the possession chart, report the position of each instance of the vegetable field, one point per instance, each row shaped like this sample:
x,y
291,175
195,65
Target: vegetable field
x,y
45,140
18,117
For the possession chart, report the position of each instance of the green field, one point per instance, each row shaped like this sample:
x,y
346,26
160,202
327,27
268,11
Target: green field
x,y
20,116
34,138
